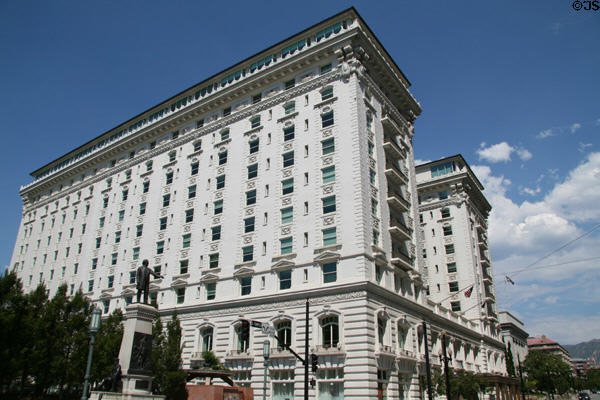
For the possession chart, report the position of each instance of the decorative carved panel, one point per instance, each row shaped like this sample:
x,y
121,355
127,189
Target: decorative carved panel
x,y
251,159
216,220
219,195
220,170
327,160
287,173
328,189
214,247
187,228
371,163
251,185
189,204
163,212
286,230
286,201
249,211
247,239
329,220
327,132
161,235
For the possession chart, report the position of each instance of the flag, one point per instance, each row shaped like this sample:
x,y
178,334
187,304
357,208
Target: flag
x,y
469,291
509,280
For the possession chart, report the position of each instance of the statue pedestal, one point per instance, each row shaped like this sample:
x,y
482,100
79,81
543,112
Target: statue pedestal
x,y
135,356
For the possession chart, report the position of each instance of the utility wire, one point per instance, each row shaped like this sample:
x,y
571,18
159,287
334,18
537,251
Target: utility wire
x,y
558,249
545,266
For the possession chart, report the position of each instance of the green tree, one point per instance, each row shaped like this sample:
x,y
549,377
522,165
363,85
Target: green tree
x,y
212,361
510,363
463,384
547,372
13,306
108,344
169,378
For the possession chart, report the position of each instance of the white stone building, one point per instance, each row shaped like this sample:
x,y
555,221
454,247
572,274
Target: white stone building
x,y
453,228
289,176
514,336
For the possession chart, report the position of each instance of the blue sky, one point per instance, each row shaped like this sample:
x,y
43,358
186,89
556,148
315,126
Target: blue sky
x,y
512,86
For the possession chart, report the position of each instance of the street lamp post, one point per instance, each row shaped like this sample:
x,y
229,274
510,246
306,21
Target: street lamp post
x,y
94,327
266,355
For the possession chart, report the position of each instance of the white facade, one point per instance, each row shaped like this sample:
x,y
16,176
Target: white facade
x,y
324,212
514,336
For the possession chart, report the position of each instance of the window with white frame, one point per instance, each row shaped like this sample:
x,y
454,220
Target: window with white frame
x,y
206,338
330,334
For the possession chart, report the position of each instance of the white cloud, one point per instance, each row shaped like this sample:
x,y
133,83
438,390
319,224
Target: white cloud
x,y
524,154
420,162
501,152
583,146
546,133
575,126
554,327
531,192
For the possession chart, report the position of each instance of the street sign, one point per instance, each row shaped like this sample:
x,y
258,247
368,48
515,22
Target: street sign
x,y
256,324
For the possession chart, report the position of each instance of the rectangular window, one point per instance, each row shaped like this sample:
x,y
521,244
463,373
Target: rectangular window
x,y
189,215
121,215
455,306
252,171
113,258
139,229
256,98
216,232
246,285
198,144
255,122
194,169
111,281
146,187
287,215
288,133
124,195
90,285
328,146
105,202
371,148
285,280
220,182
183,266
166,200
247,253
223,157
142,208
372,177
211,291
374,207
326,93
451,268
288,159
180,295
375,237
226,111
253,144
447,230
160,247
329,237
325,68
186,240
136,253
289,108
218,207
327,119
286,245
98,241
440,170
224,134
251,197
445,213
131,277
449,249
163,223
330,272
118,237
94,264
287,186
443,195
328,174
453,286
169,179
249,225
290,84
191,192
328,204
213,260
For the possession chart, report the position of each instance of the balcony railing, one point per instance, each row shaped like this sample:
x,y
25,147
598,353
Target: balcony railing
x,y
396,200
406,355
392,148
328,349
239,354
402,260
399,230
396,173
385,349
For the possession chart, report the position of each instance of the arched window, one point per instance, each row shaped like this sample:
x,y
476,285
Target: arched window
x,y
242,337
330,335
206,339
284,333
402,335
381,328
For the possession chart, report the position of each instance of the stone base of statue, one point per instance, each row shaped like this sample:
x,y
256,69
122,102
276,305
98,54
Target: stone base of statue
x,y
135,355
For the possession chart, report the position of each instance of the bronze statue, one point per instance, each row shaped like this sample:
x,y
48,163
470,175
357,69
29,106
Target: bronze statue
x,y
142,280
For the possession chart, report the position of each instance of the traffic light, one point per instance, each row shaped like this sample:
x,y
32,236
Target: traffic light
x,y
314,360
